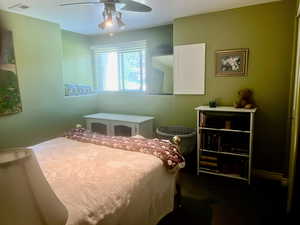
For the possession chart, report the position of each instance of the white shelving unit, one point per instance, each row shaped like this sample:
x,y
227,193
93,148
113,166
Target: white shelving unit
x,y
202,129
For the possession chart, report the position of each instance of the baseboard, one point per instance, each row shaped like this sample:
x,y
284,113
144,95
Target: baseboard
x,y
269,175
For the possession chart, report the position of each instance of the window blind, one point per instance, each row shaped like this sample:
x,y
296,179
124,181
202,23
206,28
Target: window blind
x,y
120,47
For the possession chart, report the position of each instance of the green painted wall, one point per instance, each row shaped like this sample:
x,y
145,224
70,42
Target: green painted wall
x,y
267,30
156,36
77,59
46,113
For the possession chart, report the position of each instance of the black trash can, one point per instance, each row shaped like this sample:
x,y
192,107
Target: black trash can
x,y
187,135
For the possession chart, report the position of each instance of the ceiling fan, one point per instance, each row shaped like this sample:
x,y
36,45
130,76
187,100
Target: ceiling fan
x,y
111,14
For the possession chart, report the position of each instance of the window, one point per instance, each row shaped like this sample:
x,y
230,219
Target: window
x,y
121,68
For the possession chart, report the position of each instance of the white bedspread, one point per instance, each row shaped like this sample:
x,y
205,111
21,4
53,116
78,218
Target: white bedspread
x,y
104,186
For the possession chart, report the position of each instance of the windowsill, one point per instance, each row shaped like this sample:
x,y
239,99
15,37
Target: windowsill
x,y
160,94
132,93
76,96
128,93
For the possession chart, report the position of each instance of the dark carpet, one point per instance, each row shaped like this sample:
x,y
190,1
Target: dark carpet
x,y
192,211
211,200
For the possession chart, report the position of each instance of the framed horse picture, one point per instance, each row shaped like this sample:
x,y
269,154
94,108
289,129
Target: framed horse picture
x,y
232,62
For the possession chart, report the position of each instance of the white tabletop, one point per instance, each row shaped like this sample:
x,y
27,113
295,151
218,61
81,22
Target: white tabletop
x,y
120,117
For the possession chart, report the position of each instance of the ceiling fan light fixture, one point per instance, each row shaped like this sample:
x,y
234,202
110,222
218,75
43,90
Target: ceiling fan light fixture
x,y
109,22
121,24
106,24
102,25
110,19
111,14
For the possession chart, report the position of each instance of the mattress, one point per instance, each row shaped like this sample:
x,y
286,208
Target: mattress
x,y
105,186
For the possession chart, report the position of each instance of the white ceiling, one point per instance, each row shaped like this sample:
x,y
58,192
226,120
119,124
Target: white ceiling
x,y
85,19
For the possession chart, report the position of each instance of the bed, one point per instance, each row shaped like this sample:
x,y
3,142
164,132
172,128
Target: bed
x,y
103,186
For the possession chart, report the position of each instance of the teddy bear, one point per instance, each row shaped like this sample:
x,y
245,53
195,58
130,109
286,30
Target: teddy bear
x,y
245,99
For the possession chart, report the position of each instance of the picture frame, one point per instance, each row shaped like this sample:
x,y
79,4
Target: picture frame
x,y
233,62
10,97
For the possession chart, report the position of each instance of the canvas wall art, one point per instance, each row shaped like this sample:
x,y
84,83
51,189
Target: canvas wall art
x,y
232,62
10,99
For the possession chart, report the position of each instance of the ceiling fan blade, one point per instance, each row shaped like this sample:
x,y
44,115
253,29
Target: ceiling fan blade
x,y
134,6
80,3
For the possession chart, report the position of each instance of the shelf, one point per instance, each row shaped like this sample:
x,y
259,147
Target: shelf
x,y
234,176
213,135
226,130
225,153
225,109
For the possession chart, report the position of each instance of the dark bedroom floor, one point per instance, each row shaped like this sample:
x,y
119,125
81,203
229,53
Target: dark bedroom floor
x,y
210,200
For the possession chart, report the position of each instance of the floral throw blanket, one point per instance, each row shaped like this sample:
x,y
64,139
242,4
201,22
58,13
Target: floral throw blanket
x,y
162,149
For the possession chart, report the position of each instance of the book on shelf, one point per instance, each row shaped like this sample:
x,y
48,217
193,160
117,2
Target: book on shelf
x,y
213,120
208,158
225,165
219,143
209,164
223,143
212,141
207,141
215,138
202,120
